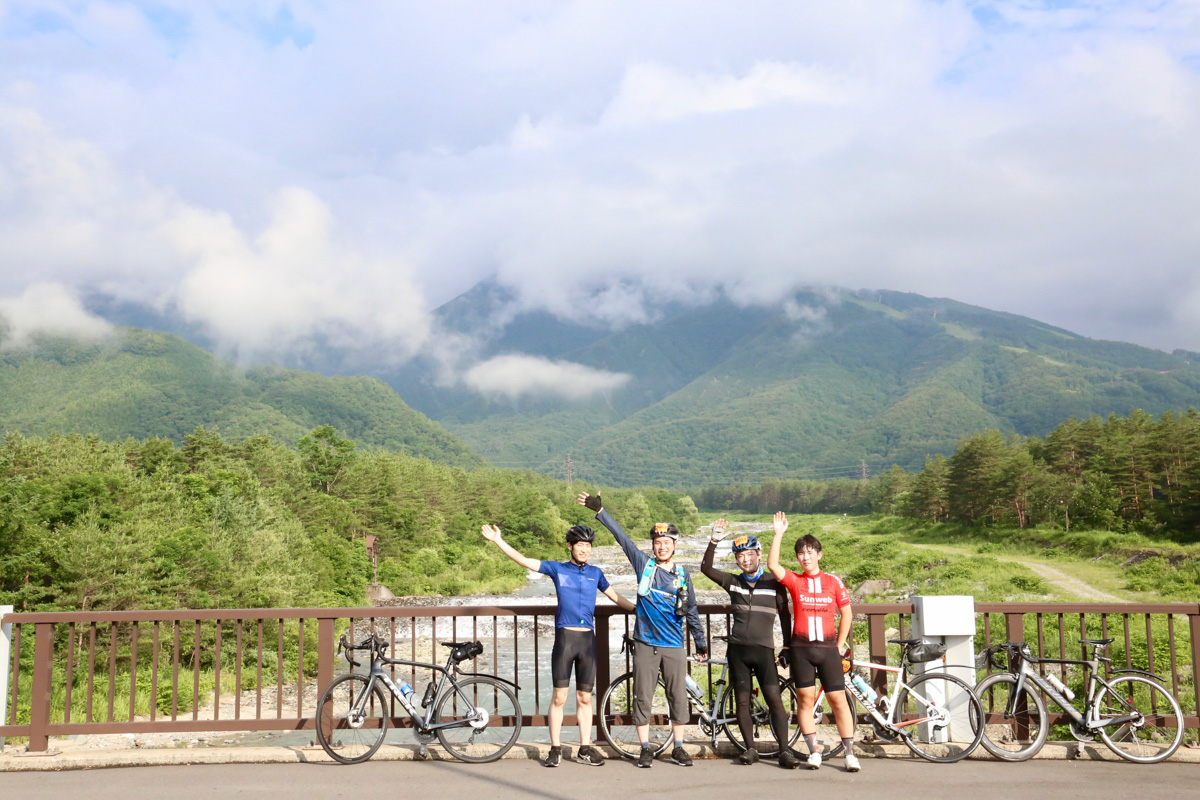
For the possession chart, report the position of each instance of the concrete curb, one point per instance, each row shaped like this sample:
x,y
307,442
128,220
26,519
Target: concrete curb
x,y
12,761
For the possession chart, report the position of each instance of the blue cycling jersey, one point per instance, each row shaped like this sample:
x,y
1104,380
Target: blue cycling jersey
x,y
576,587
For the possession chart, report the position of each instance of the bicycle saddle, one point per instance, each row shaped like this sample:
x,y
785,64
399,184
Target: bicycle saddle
x,y
1099,642
454,644
903,641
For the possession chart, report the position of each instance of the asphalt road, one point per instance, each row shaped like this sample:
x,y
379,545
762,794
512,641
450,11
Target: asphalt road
x,y
899,778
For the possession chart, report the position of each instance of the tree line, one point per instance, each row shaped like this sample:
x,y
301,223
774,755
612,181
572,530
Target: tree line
x,y
91,524
1120,473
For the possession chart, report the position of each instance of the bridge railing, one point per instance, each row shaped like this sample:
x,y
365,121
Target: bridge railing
x,y
261,669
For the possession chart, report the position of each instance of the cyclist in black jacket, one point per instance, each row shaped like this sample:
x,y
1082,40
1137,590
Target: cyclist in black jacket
x,y
755,597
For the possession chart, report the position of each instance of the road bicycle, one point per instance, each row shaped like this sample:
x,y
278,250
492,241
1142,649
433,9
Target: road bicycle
x,y
475,717
935,714
1132,712
715,710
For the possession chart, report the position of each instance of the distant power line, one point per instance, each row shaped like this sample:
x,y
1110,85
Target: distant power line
x,y
576,469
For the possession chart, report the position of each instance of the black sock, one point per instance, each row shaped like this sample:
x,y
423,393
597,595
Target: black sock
x,y
848,744
811,740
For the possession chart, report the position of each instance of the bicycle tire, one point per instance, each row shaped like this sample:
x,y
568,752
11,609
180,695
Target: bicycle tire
x,y
760,718
617,703
994,692
470,744
921,740
338,699
1141,744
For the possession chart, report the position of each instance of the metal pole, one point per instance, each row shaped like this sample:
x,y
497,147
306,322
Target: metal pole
x,y
5,667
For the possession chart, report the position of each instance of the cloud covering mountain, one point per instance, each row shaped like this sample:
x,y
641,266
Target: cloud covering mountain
x,y
295,177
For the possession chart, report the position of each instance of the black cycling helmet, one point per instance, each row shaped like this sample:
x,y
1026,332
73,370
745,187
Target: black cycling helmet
x,y
667,529
581,533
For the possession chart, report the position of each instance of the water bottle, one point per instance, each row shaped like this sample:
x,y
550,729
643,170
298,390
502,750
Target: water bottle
x,y
427,700
864,688
693,687
1057,684
406,694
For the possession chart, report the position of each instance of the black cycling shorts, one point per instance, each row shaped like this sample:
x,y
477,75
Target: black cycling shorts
x,y
809,663
748,660
574,650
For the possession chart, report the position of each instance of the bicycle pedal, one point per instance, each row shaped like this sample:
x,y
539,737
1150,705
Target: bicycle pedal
x,y
424,753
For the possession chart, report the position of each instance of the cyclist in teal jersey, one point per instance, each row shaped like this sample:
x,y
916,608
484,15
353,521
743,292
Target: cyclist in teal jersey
x,y
666,600
576,583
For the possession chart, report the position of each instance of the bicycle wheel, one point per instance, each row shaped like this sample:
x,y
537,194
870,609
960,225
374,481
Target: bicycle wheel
x,y
1016,739
486,717
765,740
616,718
352,737
941,717
1158,728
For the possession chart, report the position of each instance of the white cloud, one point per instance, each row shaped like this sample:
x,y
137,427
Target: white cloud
x,y
49,309
1021,155
514,376
657,93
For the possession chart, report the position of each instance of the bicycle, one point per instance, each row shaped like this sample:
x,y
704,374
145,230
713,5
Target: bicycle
x,y
936,714
476,717
716,712
1132,713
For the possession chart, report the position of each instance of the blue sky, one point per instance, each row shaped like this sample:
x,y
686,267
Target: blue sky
x,y
277,171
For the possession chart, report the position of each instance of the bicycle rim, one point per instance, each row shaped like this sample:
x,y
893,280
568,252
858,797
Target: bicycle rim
x,y
616,718
765,740
1018,738
958,716
1158,732
478,745
343,742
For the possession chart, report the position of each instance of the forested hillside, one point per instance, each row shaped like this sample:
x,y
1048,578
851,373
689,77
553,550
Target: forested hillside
x,y
90,524
724,394
1135,473
146,384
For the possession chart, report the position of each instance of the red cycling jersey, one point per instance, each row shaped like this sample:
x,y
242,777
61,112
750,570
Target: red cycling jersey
x,y
814,598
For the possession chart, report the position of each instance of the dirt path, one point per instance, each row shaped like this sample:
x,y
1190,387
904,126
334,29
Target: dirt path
x,y
1060,579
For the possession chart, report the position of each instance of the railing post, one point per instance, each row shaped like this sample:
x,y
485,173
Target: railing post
x,y
1014,629
5,667
325,670
39,701
603,673
1194,629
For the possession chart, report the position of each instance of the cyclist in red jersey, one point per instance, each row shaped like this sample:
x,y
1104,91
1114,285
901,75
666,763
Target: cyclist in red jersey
x,y
817,645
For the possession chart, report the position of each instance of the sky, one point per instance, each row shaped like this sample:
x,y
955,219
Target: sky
x,y
285,174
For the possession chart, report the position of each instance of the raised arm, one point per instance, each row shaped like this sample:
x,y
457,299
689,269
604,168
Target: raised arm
x,y
637,559
492,534
781,526
719,577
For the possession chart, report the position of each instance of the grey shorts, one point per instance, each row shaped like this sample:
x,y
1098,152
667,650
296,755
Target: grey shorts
x,y
648,662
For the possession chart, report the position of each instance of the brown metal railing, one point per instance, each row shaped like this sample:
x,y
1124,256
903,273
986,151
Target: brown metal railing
x,y
279,665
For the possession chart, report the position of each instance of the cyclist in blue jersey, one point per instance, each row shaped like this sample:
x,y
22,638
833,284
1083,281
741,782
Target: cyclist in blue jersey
x,y
576,583
666,598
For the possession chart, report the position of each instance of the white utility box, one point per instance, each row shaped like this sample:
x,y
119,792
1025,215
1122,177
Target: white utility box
x,y
949,619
